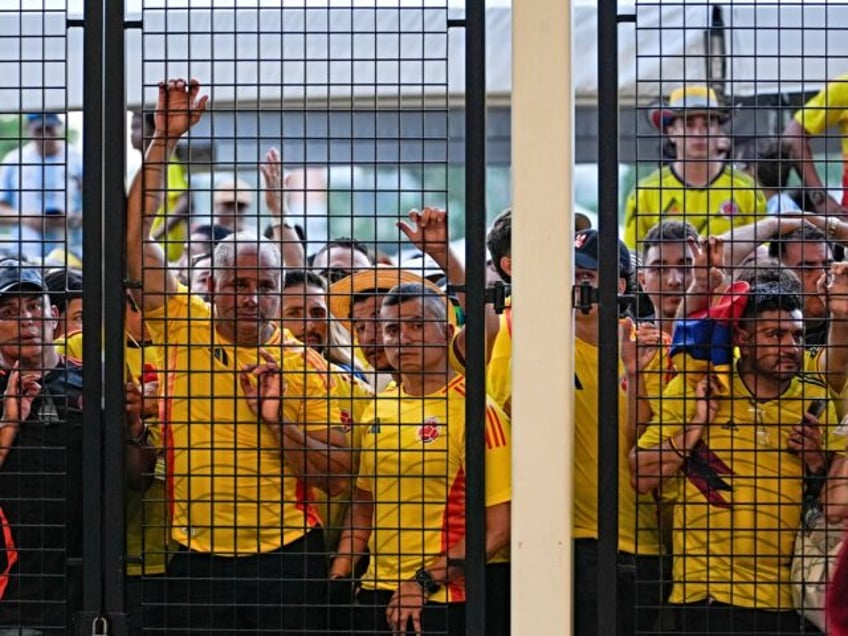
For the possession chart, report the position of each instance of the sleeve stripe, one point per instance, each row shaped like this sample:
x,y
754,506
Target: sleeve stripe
x,y
498,437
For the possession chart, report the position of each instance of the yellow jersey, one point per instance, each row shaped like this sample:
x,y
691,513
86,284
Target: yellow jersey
x,y
638,531
413,464
829,109
353,398
229,489
731,200
735,523
147,525
499,369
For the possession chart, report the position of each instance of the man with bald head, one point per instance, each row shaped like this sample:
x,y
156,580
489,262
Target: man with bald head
x,y
241,462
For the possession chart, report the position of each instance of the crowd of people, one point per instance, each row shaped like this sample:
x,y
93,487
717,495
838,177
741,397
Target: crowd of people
x,y
296,455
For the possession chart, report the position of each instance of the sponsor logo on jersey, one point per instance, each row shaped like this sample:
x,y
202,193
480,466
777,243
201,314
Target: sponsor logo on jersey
x,y
375,426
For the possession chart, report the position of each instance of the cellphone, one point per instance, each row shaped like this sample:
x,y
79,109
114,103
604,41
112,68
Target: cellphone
x,y
816,407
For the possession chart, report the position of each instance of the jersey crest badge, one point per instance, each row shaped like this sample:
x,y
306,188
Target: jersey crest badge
x,y
729,208
429,430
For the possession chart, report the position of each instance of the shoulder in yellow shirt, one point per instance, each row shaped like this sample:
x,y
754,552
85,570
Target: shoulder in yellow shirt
x,y
731,200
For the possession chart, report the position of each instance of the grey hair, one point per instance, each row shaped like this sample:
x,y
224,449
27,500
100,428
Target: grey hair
x,y
224,256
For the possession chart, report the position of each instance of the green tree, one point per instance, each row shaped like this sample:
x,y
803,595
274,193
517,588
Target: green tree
x,y
11,133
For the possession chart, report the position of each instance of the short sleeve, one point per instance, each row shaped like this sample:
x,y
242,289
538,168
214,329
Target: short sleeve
x,y
631,220
8,172
307,399
826,109
174,315
670,416
498,457
366,456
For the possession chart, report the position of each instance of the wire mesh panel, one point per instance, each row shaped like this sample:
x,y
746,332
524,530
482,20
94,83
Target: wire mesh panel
x,y
300,351
733,349
41,427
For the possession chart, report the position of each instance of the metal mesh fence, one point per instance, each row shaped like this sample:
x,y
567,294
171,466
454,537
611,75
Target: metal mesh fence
x,y
734,225
292,451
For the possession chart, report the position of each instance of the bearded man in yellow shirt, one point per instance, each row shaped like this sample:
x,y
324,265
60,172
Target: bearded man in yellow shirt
x,y
239,469
739,451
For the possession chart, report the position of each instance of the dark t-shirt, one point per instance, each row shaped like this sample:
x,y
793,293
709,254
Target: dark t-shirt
x,y
40,502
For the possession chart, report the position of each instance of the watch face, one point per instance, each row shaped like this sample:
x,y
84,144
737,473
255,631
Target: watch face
x,y
426,581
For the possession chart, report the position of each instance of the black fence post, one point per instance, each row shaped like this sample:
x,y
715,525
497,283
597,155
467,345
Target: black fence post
x,y
475,259
608,269
92,187
114,305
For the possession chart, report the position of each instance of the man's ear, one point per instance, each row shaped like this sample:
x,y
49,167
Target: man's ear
x,y
506,265
741,336
622,285
640,278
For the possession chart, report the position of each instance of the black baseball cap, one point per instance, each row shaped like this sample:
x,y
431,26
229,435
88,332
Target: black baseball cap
x,y
586,252
16,276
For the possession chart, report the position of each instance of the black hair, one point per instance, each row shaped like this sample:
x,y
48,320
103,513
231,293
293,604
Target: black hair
x,y
430,298
670,231
805,234
769,271
294,277
771,296
63,286
212,233
346,242
499,242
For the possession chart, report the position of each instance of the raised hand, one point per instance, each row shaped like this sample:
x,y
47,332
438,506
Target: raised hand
x,y
428,232
263,387
706,405
833,288
275,183
178,108
19,395
708,264
638,345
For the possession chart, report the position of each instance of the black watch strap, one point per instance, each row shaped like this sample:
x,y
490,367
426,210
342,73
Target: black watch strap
x,y
426,581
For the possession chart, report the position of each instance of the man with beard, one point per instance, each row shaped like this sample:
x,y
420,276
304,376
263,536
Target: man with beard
x,y
739,446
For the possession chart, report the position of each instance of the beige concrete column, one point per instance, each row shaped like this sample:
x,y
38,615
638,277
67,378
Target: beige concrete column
x,y
542,364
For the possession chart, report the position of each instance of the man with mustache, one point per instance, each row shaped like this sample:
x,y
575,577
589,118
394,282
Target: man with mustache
x,y
738,445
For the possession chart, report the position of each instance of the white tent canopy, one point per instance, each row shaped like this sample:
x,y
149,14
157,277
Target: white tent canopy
x,y
405,57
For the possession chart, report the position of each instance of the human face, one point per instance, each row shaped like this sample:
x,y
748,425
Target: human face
x,y
414,340
695,136
809,260
365,323
199,275
665,275
246,296
27,323
773,344
304,313
71,319
45,137
338,262
230,215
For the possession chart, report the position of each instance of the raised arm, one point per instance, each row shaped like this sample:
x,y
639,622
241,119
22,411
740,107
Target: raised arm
x,y
294,256
177,110
707,275
833,360
743,240
429,233
798,141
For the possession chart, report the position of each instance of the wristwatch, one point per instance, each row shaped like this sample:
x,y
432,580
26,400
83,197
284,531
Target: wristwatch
x,y
426,582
